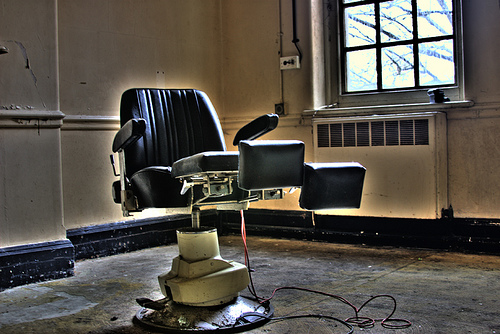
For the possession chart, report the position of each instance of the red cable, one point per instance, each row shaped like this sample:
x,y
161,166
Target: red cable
x,y
244,237
251,286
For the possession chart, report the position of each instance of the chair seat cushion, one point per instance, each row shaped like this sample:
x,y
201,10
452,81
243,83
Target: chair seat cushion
x,y
155,187
212,161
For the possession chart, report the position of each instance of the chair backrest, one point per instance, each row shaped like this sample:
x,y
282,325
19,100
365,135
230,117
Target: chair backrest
x,y
179,123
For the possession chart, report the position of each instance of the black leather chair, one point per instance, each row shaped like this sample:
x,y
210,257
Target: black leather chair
x,y
173,155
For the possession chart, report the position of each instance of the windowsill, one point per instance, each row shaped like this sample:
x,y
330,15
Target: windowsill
x,y
386,109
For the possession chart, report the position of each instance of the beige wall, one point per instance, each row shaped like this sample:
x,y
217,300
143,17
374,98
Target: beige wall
x,y
106,47
85,53
230,49
30,156
29,71
473,135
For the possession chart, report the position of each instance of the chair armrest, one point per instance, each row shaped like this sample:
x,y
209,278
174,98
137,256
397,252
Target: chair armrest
x,y
256,128
129,133
270,164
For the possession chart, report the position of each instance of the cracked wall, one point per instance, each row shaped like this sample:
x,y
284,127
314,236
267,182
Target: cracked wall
x,y
29,71
30,121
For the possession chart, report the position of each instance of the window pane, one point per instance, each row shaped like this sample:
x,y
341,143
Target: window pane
x,y
436,63
396,21
361,70
435,18
360,25
397,67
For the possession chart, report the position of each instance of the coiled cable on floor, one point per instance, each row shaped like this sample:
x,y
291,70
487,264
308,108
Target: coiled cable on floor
x,y
300,316
356,320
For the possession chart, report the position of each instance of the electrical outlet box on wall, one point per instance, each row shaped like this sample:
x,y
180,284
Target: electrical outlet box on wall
x,y
289,63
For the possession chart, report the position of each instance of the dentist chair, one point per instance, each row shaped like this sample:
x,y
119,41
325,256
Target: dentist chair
x,y
172,155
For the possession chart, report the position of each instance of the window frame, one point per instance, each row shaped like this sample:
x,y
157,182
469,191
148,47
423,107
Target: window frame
x,y
335,69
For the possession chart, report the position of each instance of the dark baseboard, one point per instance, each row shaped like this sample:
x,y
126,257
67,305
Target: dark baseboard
x,y
128,236
50,260
32,263
454,234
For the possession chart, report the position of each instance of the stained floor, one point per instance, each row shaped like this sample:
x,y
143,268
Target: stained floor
x,y
438,292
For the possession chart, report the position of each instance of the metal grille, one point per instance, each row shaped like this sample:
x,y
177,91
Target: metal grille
x,y
407,132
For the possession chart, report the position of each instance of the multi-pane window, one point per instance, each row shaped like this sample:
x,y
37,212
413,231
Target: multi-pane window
x,y
397,44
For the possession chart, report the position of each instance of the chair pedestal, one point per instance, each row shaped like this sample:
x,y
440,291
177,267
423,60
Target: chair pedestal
x,y
202,290
199,276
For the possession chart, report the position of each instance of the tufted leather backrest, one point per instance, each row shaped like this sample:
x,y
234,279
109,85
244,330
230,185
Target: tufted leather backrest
x,y
179,123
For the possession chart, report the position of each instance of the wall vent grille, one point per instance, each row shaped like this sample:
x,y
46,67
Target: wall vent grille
x,y
374,133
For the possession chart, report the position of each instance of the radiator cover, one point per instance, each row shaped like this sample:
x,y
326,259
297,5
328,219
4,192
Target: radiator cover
x,y
405,156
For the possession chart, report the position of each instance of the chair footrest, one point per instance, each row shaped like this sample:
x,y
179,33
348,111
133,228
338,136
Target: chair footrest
x,y
332,186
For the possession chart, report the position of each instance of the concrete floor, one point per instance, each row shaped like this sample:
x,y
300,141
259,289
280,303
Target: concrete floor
x,y
438,292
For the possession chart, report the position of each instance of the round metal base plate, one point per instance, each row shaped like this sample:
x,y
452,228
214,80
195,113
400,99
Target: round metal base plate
x,y
177,318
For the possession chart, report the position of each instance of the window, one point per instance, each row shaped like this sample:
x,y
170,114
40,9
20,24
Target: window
x,y
397,46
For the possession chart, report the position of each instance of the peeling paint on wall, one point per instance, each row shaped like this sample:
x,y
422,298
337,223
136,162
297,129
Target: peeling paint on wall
x,y
16,107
